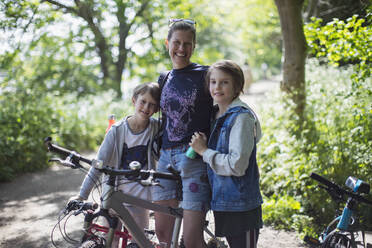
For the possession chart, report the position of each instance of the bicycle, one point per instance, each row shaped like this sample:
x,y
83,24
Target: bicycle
x,y
114,199
343,231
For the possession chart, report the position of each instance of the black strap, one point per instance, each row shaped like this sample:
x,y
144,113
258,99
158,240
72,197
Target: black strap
x,y
162,79
158,138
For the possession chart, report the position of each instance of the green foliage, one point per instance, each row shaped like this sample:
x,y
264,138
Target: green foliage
x,y
335,142
83,121
27,117
259,34
343,42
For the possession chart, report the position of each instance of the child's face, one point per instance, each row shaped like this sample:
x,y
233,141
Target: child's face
x,y
180,47
221,87
144,106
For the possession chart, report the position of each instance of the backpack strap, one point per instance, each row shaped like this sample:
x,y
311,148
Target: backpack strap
x,y
162,79
157,142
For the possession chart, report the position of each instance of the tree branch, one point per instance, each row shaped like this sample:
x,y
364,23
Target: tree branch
x,y
61,6
124,29
139,12
84,11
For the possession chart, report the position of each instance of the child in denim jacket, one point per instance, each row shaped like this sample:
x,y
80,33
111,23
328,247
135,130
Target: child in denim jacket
x,y
231,157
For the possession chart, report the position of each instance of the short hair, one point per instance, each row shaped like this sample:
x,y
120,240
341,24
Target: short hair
x,y
151,87
231,68
183,26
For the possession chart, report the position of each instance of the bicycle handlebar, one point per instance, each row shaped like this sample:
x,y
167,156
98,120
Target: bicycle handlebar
x,y
76,158
338,189
63,151
80,205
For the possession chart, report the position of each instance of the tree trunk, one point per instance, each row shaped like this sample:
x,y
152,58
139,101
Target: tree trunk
x,y
294,41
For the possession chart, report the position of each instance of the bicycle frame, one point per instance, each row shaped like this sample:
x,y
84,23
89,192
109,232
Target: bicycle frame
x,y
98,228
115,200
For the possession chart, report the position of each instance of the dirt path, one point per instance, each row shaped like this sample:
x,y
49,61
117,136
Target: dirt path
x,y
29,206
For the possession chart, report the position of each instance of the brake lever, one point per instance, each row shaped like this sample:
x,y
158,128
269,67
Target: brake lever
x,y
67,162
79,211
149,181
156,183
58,160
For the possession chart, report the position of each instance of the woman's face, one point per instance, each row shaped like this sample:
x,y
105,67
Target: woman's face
x,y
180,47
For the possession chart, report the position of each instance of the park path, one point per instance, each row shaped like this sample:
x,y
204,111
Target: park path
x,y
29,206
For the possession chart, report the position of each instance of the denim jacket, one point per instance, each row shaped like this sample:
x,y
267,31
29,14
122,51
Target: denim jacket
x,y
233,193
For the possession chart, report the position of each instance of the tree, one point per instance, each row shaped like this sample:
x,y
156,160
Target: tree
x,y
294,42
113,30
129,16
86,46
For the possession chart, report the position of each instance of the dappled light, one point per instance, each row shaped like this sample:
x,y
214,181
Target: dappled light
x,y
66,66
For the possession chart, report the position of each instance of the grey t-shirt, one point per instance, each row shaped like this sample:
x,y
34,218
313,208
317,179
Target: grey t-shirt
x,y
121,146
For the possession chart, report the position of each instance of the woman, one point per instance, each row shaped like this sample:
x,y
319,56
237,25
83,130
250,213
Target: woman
x,y
187,109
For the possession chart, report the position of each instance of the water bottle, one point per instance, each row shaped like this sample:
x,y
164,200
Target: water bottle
x,y
190,153
111,120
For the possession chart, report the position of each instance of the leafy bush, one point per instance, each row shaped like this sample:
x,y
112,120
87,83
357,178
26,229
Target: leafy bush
x,y
83,121
28,116
25,118
335,142
342,42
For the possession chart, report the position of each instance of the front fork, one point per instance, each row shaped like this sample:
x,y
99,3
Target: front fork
x,y
344,222
107,191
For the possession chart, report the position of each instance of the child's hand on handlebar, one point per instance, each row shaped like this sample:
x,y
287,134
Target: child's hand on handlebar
x,y
199,142
75,198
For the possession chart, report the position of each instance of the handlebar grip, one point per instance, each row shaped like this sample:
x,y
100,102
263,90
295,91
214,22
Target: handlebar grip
x,y
64,151
339,189
165,175
324,181
76,205
90,206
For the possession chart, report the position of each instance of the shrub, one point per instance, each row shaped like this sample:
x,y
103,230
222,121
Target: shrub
x,y
342,42
25,118
335,142
28,116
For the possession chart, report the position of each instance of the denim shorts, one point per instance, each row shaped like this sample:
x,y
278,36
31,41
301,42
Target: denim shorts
x,y
196,192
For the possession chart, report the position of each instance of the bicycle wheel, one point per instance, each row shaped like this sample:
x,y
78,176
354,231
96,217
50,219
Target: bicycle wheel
x,y
132,245
337,239
212,243
92,244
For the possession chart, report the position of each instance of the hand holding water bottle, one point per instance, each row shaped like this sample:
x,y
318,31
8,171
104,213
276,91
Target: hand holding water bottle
x,y
198,144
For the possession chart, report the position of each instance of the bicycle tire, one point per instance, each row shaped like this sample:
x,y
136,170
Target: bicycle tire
x,y
132,245
92,244
336,239
214,244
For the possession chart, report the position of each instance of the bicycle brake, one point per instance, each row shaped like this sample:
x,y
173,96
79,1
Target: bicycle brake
x,y
157,183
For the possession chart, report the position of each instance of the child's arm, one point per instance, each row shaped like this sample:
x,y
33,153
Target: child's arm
x,y
241,144
199,143
104,153
90,180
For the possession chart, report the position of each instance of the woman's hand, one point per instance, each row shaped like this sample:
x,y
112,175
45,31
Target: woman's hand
x,y
199,143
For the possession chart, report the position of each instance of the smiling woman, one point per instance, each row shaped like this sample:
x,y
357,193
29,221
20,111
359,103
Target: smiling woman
x,y
186,109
